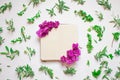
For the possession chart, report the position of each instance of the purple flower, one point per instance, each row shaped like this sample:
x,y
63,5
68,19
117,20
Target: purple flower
x,y
72,55
75,46
63,59
45,27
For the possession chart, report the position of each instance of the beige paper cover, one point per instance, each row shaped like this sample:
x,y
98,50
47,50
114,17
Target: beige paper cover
x,y
57,42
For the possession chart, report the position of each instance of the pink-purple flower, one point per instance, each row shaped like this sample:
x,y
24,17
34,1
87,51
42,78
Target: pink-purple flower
x,y
45,27
72,55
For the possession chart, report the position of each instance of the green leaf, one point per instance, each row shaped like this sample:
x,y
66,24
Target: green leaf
x,y
96,73
24,72
3,53
22,11
101,54
1,40
105,4
5,6
7,49
70,71
61,6
116,36
98,29
88,62
47,71
110,56
86,17
89,44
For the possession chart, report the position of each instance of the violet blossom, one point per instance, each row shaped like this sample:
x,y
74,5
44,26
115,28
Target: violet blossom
x,y
72,55
45,27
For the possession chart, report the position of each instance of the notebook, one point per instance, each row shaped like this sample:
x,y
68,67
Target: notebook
x,y
57,42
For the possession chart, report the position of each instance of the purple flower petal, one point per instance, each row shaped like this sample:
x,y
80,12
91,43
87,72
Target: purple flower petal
x,y
63,59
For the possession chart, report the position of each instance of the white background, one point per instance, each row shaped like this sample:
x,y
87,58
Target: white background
x,y
69,17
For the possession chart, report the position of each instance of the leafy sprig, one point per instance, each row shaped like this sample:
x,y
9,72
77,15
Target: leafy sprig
x,y
30,52
24,72
96,73
80,1
22,11
19,39
105,4
51,11
101,54
32,19
89,43
10,24
1,40
47,70
86,17
10,53
5,6
61,6
35,2
103,64
99,15
107,72
70,71
99,30
24,36
116,21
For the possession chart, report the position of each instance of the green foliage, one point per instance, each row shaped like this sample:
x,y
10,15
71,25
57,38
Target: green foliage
x,y
35,2
24,36
88,62
51,11
103,64
30,52
5,6
101,54
22,11
105,4
10,24
80,1
1,40
47,71
19,39
1,29
32,19
117,74
86,17
89,44
10,53
70,71
99,15
24,72
98,29
96,73
116,21
61,6
116,36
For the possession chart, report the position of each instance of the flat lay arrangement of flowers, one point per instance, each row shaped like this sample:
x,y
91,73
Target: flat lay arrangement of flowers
x,y
96,55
